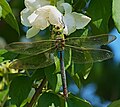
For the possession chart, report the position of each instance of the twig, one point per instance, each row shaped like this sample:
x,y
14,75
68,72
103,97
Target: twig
x,y
37,93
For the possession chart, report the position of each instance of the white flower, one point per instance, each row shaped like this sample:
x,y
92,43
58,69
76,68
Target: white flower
x,y
38,17
39,14
31,6
74,20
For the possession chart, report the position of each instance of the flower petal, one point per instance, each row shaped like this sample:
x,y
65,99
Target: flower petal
x,y
24,17
51,14
41,22
31,18
67,8
81,20
34,4
55,17
70,23
32,32
65,30
59,6
44,2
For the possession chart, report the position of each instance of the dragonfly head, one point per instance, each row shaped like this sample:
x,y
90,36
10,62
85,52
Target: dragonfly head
x,y
57,32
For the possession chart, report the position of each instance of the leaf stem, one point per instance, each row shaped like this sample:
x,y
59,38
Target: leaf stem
x,y
37,93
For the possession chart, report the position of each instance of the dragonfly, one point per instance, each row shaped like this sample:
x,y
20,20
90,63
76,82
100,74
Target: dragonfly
x,y
41,53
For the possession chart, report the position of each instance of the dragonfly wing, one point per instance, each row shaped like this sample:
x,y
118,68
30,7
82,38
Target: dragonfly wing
x,y
34,62
30,48
89,55
91,41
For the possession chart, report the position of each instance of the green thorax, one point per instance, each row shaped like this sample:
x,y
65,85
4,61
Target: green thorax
x,y
57,34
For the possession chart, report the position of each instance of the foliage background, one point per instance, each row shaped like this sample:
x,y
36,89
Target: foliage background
x,y
102,12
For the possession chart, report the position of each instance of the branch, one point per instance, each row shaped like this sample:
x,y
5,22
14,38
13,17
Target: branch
x,y
37,93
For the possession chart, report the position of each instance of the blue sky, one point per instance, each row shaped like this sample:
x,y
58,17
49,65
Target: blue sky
x,y
115,45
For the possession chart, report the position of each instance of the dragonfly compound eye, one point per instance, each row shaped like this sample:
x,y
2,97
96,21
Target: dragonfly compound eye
x,y
57,27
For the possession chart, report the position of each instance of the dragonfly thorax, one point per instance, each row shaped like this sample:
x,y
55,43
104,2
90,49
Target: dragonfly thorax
x,y
60,43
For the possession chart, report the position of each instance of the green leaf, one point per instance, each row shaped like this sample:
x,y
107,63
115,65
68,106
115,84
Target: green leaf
x,y
67,57
116,13
0,11
12,106
74,101
86,70
38,74
19,89
25,102
10,55
49,99
87,67
100,13
78,5
3,94
1,59
2,51
57,64
8,16
115,104
76,79
53,78
83,69
80,69
53,2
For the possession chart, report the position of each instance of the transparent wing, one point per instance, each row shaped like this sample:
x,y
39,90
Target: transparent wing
x,y
91,41
40,60
30,48
89,55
